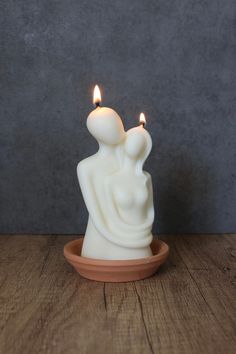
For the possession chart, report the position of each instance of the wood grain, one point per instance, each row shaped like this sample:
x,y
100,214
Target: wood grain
x,y
189,306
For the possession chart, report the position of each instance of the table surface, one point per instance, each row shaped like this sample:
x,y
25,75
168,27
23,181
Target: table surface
x,y
189,306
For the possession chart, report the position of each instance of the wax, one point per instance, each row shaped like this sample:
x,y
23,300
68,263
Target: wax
x,y
116,190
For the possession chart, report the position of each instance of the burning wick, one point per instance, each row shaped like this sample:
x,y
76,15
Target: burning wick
x,y
97,96
142,119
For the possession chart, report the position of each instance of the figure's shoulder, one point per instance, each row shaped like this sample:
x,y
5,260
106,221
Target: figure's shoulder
x,y
148,176
81,165
86,165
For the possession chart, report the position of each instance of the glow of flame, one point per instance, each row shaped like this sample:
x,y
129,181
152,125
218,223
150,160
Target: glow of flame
x,y
142,119
96,95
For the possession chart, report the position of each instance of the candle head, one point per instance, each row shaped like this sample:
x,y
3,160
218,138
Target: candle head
x,y
142,119
135,143
106,126
96,96
138,144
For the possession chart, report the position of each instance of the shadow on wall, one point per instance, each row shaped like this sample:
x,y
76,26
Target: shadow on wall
x,y
180,196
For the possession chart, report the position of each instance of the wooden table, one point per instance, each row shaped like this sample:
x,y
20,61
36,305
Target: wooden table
x,y
189,306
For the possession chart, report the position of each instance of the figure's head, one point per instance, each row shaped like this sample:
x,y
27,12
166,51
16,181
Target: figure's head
x,y
106,126
138,144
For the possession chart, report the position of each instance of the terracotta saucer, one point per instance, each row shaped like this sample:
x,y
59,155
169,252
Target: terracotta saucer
x,y
115,271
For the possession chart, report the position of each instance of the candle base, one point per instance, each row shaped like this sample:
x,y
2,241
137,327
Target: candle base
x,y
115,271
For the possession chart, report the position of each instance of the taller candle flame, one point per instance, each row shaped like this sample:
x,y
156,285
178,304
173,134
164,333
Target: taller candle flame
x,y
96,96
142,119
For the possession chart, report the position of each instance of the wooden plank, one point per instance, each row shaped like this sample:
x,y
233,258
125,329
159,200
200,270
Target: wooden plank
x,y
181,320
216,279
188,307
51,310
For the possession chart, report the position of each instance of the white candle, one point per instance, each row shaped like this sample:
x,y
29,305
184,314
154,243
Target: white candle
x,y
116,190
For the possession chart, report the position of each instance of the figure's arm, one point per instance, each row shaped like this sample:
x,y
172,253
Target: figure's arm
x,y
89,195
150,204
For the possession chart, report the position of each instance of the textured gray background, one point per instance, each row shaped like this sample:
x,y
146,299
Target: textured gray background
x,y
174,60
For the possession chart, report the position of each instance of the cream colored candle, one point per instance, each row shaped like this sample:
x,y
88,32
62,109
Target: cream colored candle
x,y
116,190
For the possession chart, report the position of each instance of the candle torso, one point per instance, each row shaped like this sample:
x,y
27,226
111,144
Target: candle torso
x,y
130,202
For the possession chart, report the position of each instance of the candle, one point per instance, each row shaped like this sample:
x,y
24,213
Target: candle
x,y
116,190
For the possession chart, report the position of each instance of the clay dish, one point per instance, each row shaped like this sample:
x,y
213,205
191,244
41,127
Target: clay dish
x,y
116,270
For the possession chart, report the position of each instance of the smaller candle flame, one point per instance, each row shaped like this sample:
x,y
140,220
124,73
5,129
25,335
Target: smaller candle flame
x,y
96,96
142,119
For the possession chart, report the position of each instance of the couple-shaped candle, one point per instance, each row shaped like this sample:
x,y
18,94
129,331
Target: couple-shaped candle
x,y
116,190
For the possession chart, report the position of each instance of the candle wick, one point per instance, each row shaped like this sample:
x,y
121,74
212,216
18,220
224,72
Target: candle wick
x,y
97,104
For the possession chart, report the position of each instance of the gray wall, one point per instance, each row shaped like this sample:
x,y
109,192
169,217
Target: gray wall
x,y
174,60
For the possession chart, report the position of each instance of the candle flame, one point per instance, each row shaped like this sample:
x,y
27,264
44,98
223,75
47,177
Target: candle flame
x,y
142,119
96,95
